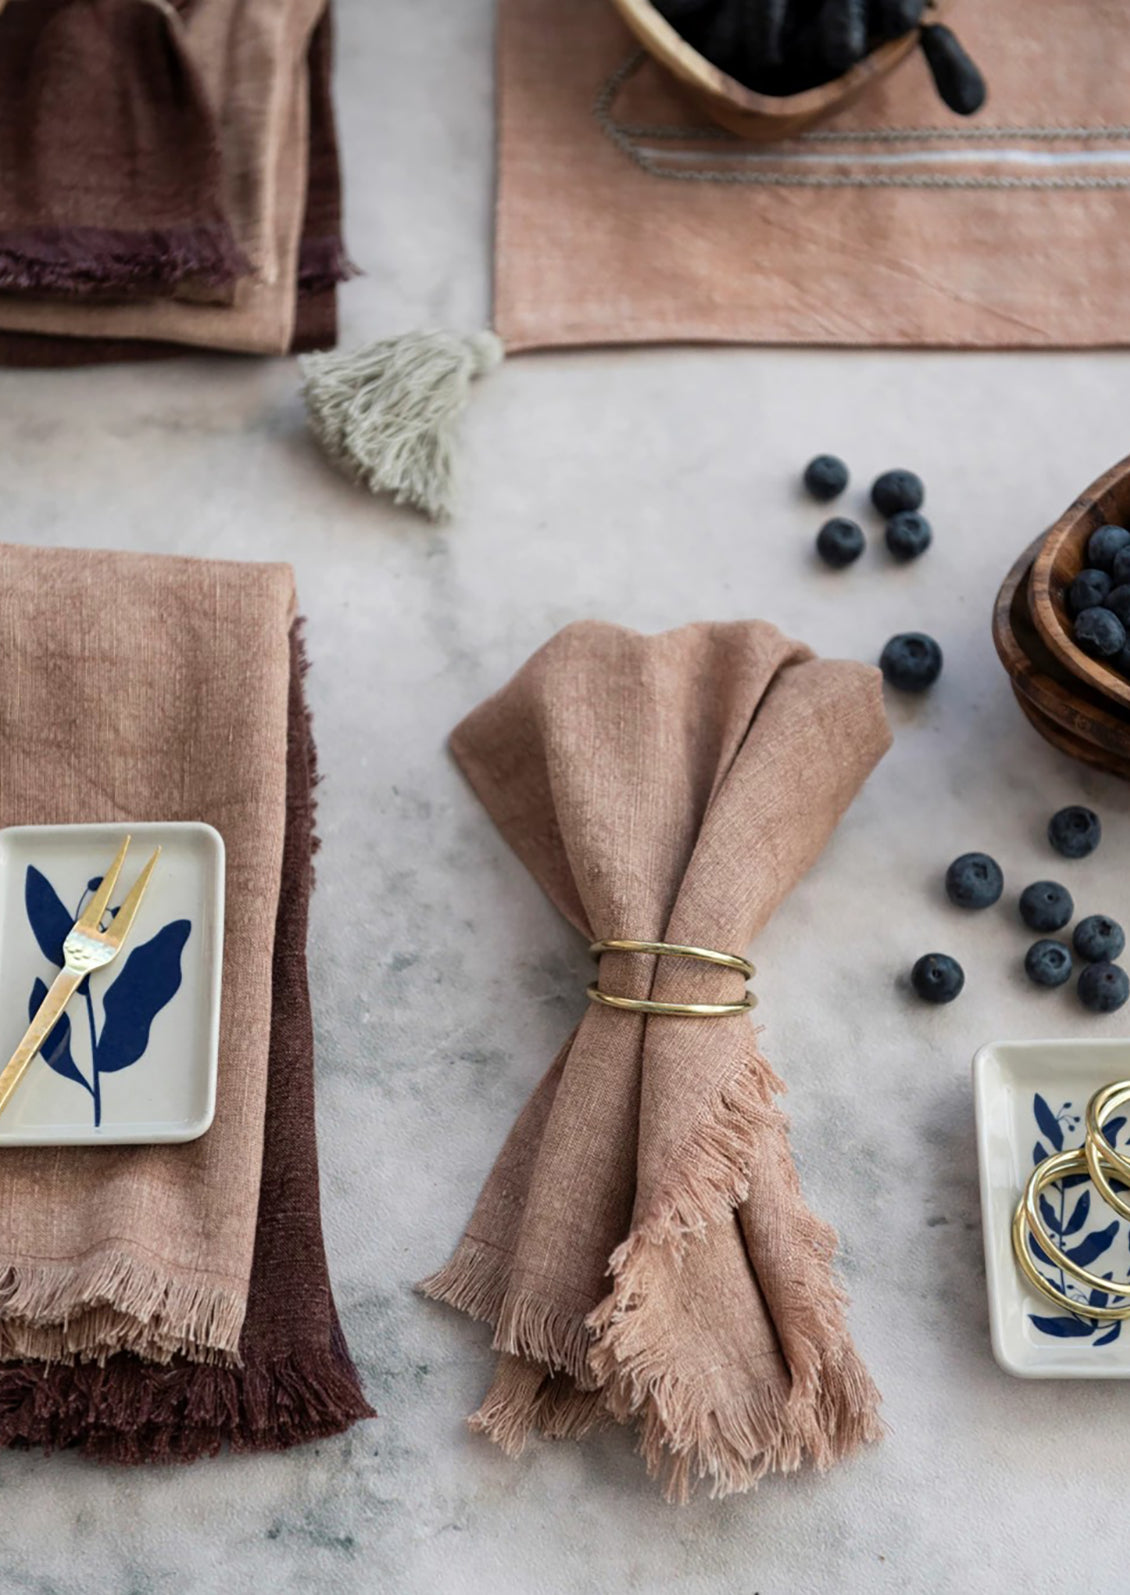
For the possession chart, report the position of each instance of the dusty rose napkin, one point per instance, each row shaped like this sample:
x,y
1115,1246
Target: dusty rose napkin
x,y
295,1380
162,697
110,153
641,1248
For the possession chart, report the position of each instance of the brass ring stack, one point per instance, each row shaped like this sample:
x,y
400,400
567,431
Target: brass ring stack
x,y
1097,1159
684,1010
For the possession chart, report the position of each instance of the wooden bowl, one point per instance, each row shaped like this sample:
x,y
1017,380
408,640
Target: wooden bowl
x,y
1066,712
763,118
1059,561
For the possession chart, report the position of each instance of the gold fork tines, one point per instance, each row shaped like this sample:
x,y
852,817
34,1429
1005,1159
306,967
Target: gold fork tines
x,y
88,947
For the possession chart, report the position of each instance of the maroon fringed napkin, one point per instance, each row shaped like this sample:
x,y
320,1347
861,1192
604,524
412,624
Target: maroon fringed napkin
x,y
110,154
670,788
297,1381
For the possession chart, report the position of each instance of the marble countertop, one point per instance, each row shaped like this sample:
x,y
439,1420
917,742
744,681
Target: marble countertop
x,y
649,487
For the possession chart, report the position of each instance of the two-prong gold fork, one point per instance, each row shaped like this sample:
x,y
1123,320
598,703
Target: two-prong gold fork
x,y
88,947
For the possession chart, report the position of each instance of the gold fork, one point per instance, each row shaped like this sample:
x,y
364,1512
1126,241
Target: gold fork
x,y
88,947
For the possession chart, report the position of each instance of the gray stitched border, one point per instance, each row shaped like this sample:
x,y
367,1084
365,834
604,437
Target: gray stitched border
x,y
625,135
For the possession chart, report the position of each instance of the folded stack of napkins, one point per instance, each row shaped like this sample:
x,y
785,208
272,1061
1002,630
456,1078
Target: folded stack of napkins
x,y
170,179
159,1301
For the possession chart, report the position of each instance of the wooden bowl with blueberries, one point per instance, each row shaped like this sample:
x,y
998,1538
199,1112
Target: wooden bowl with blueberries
x,y
768,69
1079,590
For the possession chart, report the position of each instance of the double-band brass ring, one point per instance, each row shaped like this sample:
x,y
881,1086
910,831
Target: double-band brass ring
x,y
1027,1220
1102,1160
683,1010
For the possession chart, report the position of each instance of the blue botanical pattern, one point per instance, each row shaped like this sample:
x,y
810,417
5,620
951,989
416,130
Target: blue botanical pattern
x,y
1068,1212
149,980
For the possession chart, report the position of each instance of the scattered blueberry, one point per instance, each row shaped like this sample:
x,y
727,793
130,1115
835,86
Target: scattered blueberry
x,y
1120,570
908,534
1089,589
1075,831
1048,963
825,477
1105,544
901,490
1118,602
974,881
912,661
937,978
1098,939
839,542
1103,988
1046,905
1099,633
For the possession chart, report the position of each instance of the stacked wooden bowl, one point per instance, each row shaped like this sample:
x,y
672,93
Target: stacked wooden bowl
x,y
1080,704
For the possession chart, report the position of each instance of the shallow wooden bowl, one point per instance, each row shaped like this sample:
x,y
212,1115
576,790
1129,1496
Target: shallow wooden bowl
x,y
1059,561
764,118
1071,715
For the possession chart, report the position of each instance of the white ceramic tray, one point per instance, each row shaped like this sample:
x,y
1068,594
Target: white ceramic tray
x,y
134,1058
1030,1097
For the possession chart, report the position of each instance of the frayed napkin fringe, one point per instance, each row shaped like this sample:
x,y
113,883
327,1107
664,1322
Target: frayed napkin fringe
x,y
98,260
112,1302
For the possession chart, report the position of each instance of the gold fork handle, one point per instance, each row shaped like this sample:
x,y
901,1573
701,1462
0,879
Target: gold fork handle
x,y
50,1010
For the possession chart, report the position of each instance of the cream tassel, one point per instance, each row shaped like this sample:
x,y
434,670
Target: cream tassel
x,y
388,414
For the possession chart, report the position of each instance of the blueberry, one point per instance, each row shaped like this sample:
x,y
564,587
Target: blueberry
x,y
1075,831
839,542
898,490
1089,588
1118,602
1099,633
1120,570
974,881
908,534
1048,963
911,661
1104,546
1098,939
1046,905
937,978
1103,988
825,477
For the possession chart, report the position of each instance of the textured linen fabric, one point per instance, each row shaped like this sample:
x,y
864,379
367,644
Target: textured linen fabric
x,y
668,788
295,1381
896,223
110,154
251,58
162,695
322,258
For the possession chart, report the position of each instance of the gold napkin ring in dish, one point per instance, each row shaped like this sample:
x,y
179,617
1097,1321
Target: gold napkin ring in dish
x,y
684,1010
1027,1219
1101,1156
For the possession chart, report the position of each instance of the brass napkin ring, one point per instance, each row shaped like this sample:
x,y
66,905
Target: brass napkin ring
x,y
1098,1160
685,1010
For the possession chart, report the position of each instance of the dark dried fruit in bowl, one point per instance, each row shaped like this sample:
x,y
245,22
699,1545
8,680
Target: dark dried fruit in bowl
x,y
956,77
1099,633
1090,588
1105,544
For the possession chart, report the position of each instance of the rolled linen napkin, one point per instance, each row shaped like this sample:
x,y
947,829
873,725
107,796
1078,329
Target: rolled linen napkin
x,y
670,788
295,1381
113,178
137,687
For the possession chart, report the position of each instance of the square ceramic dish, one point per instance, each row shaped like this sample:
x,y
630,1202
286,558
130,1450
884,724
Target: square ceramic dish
x,y
135,1056
1030,1097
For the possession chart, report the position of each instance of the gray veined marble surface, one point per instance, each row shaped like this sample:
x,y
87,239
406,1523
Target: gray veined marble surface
x,y
650,487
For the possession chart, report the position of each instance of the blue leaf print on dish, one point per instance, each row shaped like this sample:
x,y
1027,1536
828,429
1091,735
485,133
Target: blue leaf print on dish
x,y
1049,1124
1064,1219
56,1050
1064,1328
49,919
150,980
